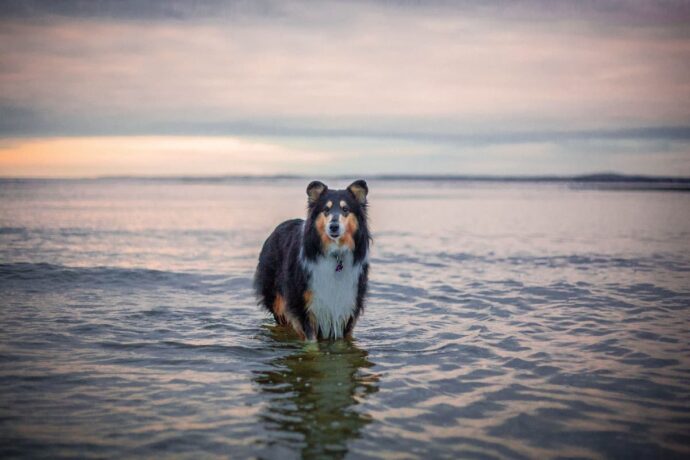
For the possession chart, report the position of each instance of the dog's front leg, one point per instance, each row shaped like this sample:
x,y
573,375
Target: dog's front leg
x,y
310,329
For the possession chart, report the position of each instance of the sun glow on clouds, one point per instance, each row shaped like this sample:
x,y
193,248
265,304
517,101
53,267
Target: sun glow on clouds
x,y
148,155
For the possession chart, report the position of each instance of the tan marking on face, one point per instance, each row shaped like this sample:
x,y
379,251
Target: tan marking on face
x,y
351,225
321,223
343,203
329,204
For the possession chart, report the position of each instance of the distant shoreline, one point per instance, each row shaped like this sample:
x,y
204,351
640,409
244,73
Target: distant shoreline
x,y
596,177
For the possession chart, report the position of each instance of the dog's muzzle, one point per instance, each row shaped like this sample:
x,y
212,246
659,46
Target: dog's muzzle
x,y
334,230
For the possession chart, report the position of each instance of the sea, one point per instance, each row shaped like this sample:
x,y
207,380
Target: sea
x,y
505,320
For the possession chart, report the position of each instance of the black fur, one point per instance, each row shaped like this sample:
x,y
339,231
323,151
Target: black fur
x,y
280,271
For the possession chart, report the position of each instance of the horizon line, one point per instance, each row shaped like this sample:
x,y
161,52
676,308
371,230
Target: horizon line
x,y
590,177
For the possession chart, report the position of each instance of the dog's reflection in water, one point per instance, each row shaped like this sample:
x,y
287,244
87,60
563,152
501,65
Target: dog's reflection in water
x,y
313,395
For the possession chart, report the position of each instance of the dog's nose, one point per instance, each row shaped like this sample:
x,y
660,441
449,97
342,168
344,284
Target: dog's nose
x,y
334,227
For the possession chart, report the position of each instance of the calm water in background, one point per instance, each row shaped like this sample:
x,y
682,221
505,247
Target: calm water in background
x,y
504,321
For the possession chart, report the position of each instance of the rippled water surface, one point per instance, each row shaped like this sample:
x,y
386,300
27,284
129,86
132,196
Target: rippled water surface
x,y
504,321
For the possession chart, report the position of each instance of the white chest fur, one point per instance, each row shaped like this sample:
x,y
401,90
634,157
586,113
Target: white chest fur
x,y
334,293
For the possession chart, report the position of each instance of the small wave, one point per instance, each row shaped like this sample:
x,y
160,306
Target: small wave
x,y
44,276
13,230
580,261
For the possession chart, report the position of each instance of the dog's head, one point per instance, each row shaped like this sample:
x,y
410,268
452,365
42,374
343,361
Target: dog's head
x,y
338,215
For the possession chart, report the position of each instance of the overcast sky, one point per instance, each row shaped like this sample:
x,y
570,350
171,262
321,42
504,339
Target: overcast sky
x,y
506,88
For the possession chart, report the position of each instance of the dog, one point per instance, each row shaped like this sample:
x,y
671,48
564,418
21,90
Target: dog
x,y
312,274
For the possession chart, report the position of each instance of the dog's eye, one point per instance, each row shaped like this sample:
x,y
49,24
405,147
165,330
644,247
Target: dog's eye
x,y
345,209
325,211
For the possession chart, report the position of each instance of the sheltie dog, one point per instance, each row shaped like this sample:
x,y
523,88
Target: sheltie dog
x,y
312,274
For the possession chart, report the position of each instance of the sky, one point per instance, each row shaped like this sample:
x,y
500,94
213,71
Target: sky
x,y
97,88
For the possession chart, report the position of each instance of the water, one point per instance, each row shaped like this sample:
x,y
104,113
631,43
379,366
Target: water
x,y
504,321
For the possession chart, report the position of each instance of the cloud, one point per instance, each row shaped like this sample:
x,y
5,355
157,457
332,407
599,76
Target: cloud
x,y
382,63
148,156
439,79
610,13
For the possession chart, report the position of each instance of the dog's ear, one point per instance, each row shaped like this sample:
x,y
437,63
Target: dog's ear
x,y
359,189
314,191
